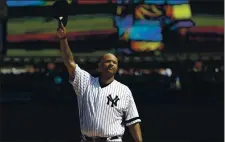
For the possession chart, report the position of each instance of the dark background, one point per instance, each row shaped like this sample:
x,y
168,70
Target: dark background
x,y
34,107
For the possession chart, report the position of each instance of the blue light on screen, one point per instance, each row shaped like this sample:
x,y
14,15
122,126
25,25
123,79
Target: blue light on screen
x,y
12,3
146,30
123,23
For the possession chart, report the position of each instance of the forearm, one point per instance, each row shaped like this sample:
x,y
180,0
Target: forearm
x,y
135,131
67,55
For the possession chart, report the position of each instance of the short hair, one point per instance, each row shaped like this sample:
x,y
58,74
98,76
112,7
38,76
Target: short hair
x,y
117,56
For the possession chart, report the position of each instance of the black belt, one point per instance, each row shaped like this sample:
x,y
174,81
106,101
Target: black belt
x,y
95,139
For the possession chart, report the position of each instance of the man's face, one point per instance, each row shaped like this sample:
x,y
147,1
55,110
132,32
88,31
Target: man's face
x,y
108,64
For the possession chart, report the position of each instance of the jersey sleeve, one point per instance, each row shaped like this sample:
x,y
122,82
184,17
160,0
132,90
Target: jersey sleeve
x,y
131,113
80,81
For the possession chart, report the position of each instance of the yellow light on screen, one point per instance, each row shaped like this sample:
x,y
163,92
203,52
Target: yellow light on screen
x,y
182,11
69,1
119,10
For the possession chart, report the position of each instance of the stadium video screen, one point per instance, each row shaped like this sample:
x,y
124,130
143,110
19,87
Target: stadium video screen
x,y
143,32
152,26
27,29
38,28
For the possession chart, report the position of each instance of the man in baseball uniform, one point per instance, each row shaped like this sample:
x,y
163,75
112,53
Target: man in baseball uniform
x,y
106,106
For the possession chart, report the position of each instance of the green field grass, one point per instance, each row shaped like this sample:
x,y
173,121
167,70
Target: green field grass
x,y
76,24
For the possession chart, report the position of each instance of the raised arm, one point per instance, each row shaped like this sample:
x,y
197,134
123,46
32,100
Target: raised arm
x,y
66,53
78,77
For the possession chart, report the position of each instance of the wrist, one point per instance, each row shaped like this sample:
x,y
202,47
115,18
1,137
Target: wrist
x,y
63,38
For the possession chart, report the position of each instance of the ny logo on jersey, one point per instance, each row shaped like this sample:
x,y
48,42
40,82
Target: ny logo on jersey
x,y
113,101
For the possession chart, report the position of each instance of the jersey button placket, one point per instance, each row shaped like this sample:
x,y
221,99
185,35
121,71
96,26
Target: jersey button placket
x,y
97,114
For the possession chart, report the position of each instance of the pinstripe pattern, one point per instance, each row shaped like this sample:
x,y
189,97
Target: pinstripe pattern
x,y
97,118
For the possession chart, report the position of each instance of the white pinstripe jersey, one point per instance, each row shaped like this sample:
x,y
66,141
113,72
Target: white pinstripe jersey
x,y
102,110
